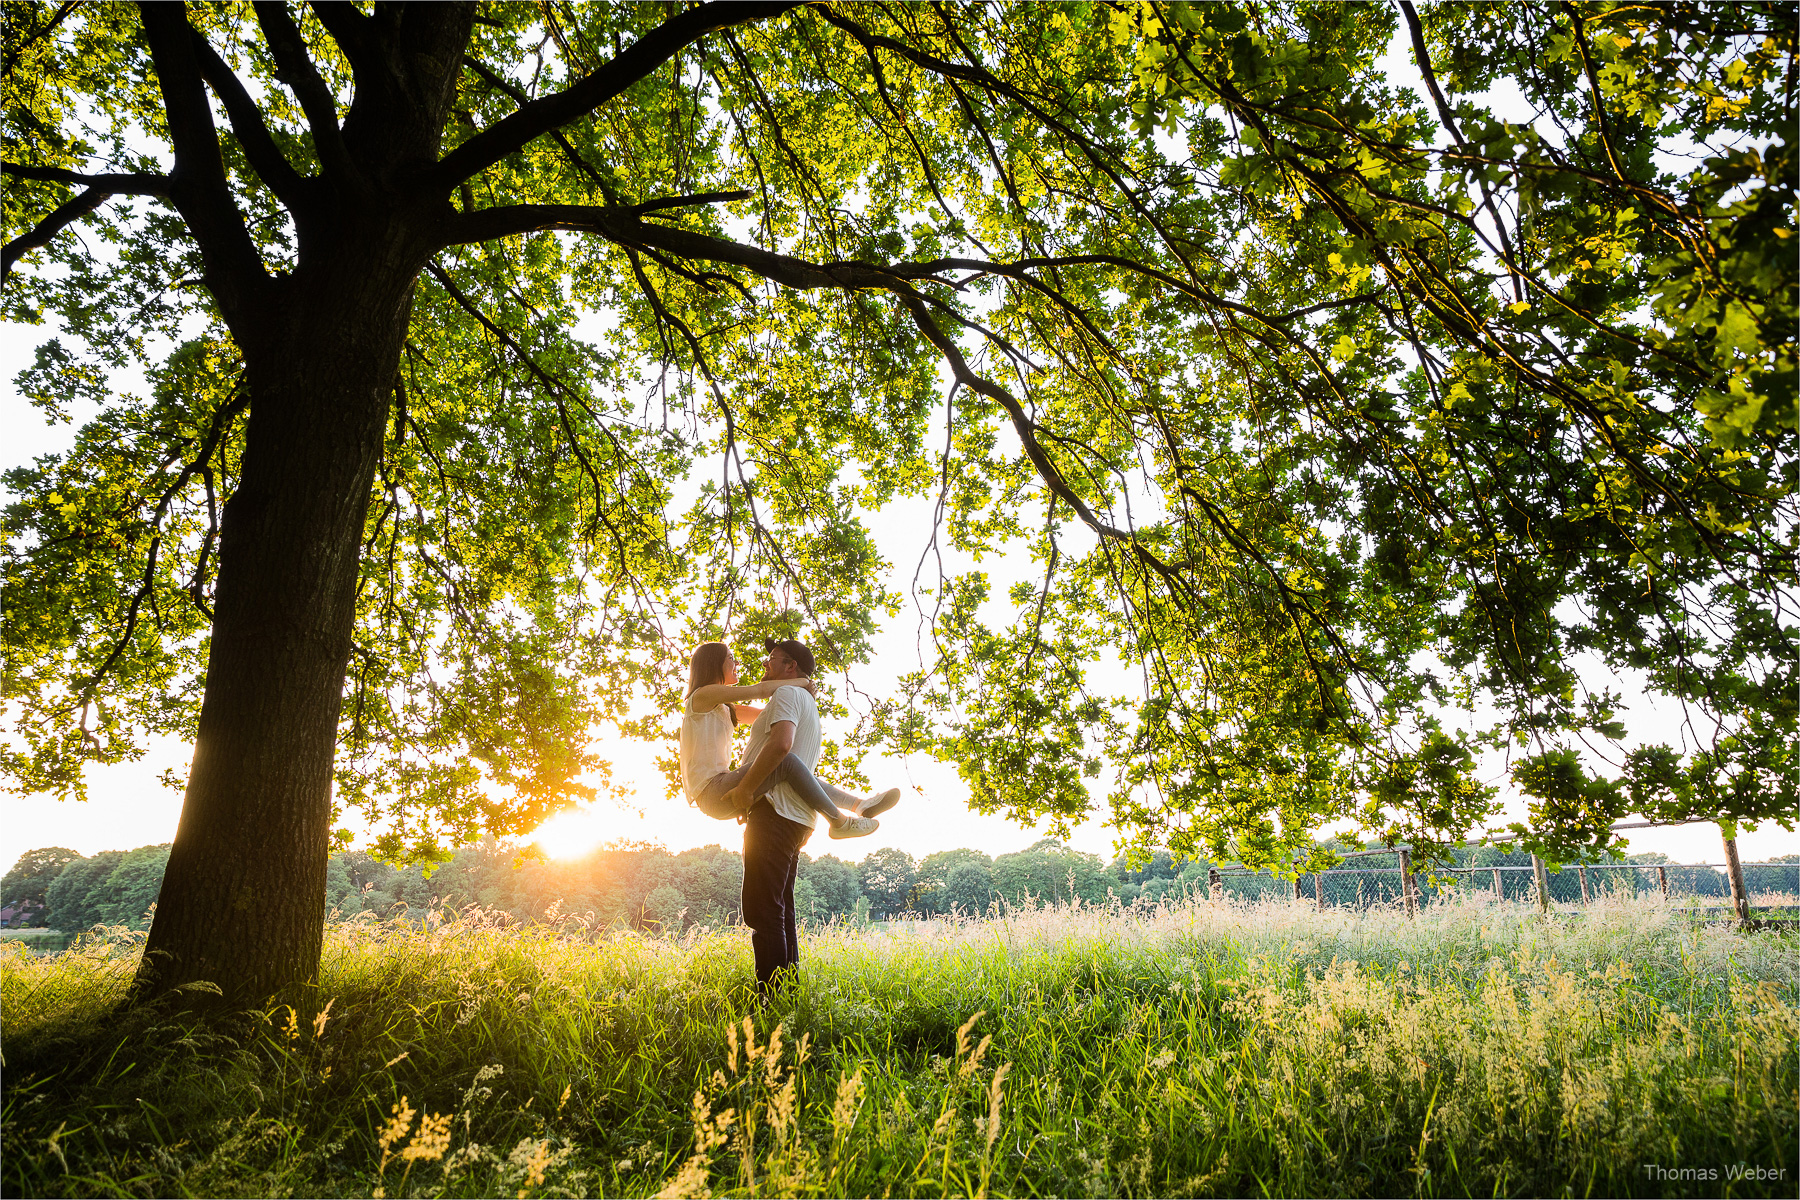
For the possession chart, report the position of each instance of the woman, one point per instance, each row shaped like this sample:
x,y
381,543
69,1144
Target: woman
x,y
711,710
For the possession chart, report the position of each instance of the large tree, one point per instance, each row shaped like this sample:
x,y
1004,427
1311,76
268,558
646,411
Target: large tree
x,y
492,352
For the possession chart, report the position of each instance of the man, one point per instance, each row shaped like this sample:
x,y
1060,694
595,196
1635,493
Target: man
x,y
779,822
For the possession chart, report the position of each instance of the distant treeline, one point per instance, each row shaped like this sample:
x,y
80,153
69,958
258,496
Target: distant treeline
x,y
648,887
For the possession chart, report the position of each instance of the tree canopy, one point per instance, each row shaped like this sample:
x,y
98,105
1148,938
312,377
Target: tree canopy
x,y
25,886
1326,406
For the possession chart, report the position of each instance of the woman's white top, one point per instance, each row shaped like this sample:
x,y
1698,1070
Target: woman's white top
x,y
705,745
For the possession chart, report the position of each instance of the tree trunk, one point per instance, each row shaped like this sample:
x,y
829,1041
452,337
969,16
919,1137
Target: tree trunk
x,y
1406,883
243,899
1734,875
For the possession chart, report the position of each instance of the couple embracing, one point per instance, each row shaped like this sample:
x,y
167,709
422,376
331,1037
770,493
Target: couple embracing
x,y
773,790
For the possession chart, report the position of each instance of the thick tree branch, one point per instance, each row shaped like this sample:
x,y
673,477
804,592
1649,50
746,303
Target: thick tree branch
x,y
619,223
264,156
1022,423
694,201
112,185
294,67
100,189
66,213
1422,57
549,112
622,225
234,271
519,96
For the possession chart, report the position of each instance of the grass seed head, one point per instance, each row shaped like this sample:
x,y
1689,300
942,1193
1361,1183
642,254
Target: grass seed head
x,y
962,1034
849,1098
324,1015
994,1099
973,1062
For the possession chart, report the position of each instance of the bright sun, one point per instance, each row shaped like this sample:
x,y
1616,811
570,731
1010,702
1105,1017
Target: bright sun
x,y
666,819
575,832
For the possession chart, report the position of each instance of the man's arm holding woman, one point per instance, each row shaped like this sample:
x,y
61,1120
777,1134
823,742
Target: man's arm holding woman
x,y
779,745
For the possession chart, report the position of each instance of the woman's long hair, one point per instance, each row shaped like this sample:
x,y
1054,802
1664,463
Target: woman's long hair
x,y
708,666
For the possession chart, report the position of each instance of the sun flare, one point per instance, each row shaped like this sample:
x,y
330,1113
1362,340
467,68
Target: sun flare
x,y
648,812
574,833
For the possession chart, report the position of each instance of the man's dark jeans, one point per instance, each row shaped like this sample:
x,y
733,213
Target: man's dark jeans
x,y
771,862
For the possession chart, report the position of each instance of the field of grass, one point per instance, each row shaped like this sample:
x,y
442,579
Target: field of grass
x,y
1180,1050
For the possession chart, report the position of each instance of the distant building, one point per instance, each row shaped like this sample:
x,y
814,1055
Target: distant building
x,y
20,916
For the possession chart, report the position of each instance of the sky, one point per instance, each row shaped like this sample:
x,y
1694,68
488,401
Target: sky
x,y
130,806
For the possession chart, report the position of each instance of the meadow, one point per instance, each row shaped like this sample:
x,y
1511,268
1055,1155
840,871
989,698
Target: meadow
x,y
1182,1048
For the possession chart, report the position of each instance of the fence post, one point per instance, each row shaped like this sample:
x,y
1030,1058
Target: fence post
x,y
1319,888
1734,871
1296,885
1662,877
1406,883
1543,883
1581,870
1499,889
1215,886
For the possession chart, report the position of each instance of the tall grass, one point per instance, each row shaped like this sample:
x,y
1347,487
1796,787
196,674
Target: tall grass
x,y
1177,1050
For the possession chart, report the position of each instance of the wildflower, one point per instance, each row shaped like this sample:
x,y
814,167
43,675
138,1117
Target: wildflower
x,y
536,1165
399,1124
690,1180
430,1142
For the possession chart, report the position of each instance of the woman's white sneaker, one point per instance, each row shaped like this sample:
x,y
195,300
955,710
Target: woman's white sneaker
x,y
855,827
879,803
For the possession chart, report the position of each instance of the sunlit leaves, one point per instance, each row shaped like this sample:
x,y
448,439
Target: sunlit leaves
x,y
1354,403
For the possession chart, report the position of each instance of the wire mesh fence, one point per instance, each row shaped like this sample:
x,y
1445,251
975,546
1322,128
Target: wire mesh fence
x,y
1769,885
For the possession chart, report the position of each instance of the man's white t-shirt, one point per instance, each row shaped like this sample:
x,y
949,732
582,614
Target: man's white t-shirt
x,y
797,705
